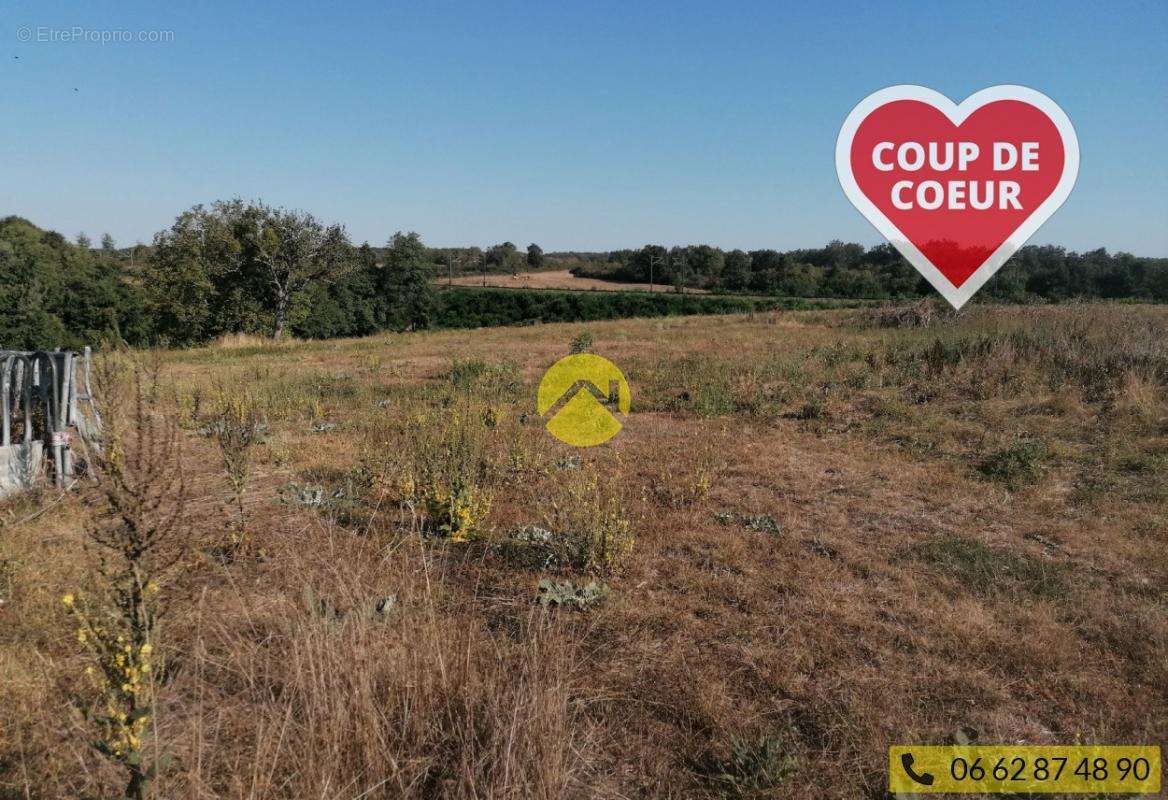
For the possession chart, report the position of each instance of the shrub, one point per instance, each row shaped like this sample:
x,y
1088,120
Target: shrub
x,y
590,527
445,475
1019,463
138,500
466,307
238,429
752,767
812,409
464,372
581,342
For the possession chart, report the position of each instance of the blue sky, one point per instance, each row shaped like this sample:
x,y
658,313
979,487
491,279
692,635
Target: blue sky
x,y
590,125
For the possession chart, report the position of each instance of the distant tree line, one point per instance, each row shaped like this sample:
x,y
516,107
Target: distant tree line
x,y
231,267
844,270
239,267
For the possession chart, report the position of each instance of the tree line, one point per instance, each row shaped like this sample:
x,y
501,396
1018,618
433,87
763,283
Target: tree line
x,y
231,267
246,267
847,270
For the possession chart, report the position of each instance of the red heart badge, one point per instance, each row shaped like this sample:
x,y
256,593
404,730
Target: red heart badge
x,y
957,189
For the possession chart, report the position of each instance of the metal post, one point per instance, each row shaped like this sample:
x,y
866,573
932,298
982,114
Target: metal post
x,y
66,413
5,402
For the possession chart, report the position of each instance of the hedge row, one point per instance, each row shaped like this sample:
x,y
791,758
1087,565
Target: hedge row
x,y
471,307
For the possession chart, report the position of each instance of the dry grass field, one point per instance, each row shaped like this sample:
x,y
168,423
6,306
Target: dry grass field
x,y
818,534
560,279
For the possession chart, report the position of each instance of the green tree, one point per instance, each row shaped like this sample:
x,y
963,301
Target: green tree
x,y
185,277
1157,280
705,266
345,306
504,258
236,267
736,270
534,256
648,264
767,269
799,280
290,250
406,284
55,294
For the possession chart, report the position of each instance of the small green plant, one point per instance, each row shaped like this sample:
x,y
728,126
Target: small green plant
x,y
1019,463
690,485
377,609
752,767
307,495
581,342
341,503
465,372
528,547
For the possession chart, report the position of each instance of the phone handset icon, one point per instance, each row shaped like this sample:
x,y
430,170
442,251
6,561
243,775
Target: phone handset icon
x,y
924,778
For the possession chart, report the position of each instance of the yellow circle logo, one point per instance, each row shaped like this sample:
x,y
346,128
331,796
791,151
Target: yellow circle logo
x,y
578,395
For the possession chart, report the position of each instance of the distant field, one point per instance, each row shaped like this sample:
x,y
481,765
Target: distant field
x,y
558,279
819,533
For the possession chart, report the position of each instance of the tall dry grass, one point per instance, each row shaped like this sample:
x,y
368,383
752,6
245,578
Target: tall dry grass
x,y
385,685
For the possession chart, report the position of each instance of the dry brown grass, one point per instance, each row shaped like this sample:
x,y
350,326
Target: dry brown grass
x,y
288,699
846,535
237,341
